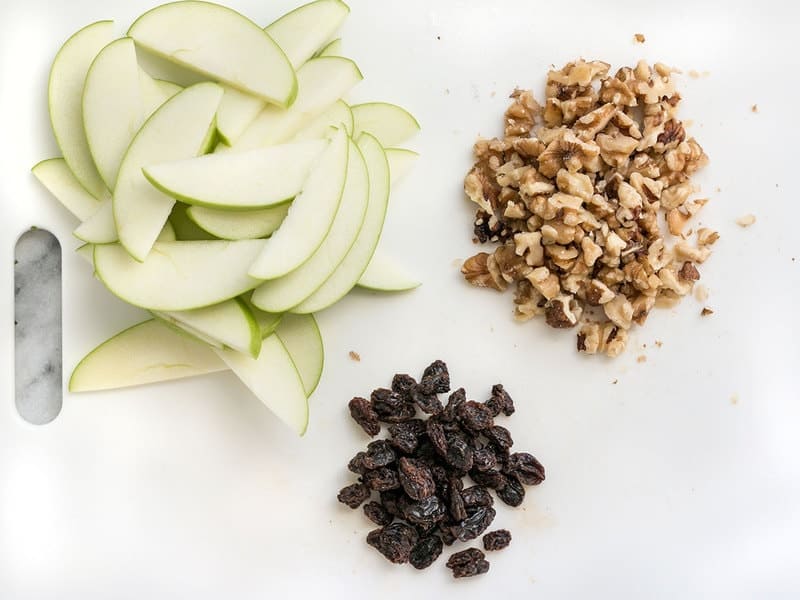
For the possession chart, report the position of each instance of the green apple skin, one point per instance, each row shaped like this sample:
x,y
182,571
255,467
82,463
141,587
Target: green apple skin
x,y
392,125
302,339
55,175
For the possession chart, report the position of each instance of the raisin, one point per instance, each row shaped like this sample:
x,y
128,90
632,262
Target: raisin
x,y
377,513
525,468
435,378
437,437
394,541
356,464
425,553
402,384
500,437
405,436
513,493
447,536
382,480
379,454
362,412
468,563
428,403
416,479
500,401
390,407
484,459
475,524
428,510
390,500
457,509
475,416
459,454
497,540
476,496
490,479
354,495
455,400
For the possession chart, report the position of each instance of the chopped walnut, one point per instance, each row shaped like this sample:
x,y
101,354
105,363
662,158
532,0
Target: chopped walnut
x,y
746,220
573,196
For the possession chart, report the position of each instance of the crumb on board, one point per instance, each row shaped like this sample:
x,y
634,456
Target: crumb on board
x,y
638,38
746,220
754,108
706,312
446,91
659,343
355,356
718,190
735,399
615,382
641,358
493,94
701,293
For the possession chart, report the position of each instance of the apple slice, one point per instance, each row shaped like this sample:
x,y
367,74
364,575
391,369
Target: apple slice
x,y
401,161
155,92
65,89
181,128
113,106
310,216
384,274
239,181
221,44
267,322
301,338
239,225
355,262
55,175
334,48
391,124
324,125
145,353
321,81
273,378
279,295
237,110
303,31
179,275
185,228
230,323
100,227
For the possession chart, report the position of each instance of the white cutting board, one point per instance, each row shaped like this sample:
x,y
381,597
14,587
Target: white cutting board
x,y
680,481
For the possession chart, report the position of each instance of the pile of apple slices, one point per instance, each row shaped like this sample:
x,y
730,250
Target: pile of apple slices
x,y
223,184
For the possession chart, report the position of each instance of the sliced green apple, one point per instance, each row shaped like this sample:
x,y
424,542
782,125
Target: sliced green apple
x,y
337,115
100,227
185,228
56,176
112,106
180,129
385,274
231,323
65,89
179,275
321,82
310,216
389,123
145,353
86,252
267,322
237,110
279,295
334,48
239,180
221,44
167,233
303,31
401,161
155,92
355,262
273,378
239,225
301,338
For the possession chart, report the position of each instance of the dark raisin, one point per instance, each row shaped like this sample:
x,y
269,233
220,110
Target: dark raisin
x,y
425,553
428,510
457,509
405,436
382,480
496,540
476,496
416,479
459,454
354,495
447,535
379,454
377,513
513,493
356,464
436,378
390,407
436,436
525,468
455,400
362,412
484,459
500,437
426,452
468,563
475,416
428,403
500,401
491,479
403,384
475,524
394,541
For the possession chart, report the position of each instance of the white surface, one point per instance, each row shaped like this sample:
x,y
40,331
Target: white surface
x,y
658,487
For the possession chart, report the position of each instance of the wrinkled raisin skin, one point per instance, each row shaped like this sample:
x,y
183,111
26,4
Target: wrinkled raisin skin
x,y
394,541
362,412
353,495
382,480
496,540
512,493
376,513
391,407
379,454
468,563
427,511
416,479
475,524
525,468
436,378
425,553
475,416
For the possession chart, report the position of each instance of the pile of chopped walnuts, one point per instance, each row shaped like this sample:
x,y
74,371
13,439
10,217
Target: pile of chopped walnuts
x,y
572,196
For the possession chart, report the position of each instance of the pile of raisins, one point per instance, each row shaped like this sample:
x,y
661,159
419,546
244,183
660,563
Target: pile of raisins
x,y
417,473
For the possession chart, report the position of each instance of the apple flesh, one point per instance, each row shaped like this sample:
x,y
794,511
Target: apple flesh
x,y
401,161
100,227
324,126
334,48
389,123
239,225
55,175
301,338
303,31
384,274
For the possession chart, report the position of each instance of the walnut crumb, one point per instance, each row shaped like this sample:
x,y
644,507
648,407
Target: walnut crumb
x,y
706,312
701,293
615,382
638,38
659,343
641,358
355,356
746,220
754,108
